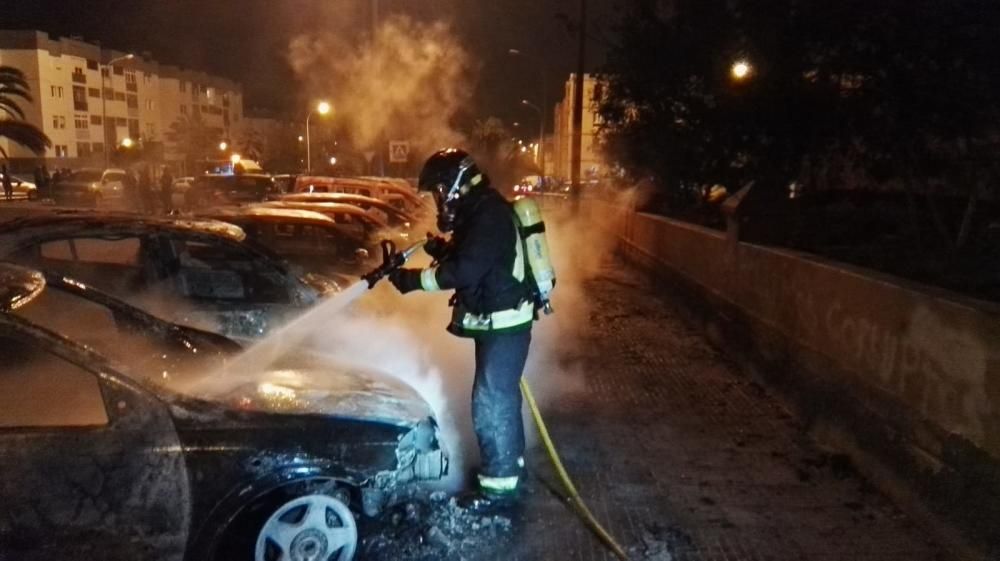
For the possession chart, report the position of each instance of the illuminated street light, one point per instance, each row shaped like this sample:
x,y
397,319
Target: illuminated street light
x,y
127,143
322,108
223,146
104,107
235,159
333,160
741,70
301,138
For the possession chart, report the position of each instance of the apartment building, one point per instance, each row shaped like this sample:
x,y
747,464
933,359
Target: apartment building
x,y
591,161
88,99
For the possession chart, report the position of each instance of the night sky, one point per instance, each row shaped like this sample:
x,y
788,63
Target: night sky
x,y
247,40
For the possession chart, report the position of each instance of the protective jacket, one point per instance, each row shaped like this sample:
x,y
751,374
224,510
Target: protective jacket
x,y
485,266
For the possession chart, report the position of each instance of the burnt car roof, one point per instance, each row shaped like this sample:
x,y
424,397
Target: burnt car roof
x,y
18,286
14,233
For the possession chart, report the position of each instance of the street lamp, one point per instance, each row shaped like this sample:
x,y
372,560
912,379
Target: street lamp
x,y
322,108
741,69
223,146
104,106
127,143
333,160
541,114
541,135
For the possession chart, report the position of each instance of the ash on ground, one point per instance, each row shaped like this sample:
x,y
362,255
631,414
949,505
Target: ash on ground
x,y
658,543
435,528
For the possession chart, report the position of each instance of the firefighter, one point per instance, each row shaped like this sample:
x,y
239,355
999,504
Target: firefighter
x,y
483,263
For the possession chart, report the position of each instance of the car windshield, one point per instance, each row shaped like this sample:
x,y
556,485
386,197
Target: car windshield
x,y
115,176
154,349
86,175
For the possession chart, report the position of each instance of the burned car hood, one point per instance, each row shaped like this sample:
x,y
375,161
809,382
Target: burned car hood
x,y
326,284
325,390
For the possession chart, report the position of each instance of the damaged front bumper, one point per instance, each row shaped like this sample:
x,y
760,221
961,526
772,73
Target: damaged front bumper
x,y
420,456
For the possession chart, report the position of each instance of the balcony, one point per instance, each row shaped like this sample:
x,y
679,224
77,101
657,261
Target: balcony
x,y
79,78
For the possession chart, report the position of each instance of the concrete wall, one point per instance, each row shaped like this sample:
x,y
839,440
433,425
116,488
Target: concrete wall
x,y
906,377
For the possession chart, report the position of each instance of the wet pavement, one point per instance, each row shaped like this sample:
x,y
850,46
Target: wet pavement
x,y
685,458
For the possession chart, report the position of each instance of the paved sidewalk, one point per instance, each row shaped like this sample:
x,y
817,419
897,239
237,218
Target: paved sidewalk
x,y
686,459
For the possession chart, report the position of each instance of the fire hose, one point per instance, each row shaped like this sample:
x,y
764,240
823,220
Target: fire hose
x,y
392,260
574,496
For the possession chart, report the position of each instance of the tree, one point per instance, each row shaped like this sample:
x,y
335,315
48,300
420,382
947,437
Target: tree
x,y
192,139
901,91
12,125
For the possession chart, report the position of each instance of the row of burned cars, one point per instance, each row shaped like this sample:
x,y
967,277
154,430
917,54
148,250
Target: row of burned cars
x,y
131,429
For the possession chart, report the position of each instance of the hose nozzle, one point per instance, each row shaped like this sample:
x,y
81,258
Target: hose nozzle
x,y
391,260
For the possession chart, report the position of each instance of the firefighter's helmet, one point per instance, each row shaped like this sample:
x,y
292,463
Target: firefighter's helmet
x,y
449,175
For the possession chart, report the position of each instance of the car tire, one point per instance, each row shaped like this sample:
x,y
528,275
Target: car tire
x,y
317,521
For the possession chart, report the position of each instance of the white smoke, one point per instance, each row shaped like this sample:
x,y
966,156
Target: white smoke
x,y
409,80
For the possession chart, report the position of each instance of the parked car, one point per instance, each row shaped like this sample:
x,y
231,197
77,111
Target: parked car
x,y
405,197
215,190
102,458
309,240
359,221
196,272
392,214
24,187
90,187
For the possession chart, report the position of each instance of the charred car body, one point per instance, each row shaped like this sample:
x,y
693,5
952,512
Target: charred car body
x,y
196,272
97,462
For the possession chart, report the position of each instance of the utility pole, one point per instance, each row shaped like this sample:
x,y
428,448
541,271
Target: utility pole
x,y
380,138
577,125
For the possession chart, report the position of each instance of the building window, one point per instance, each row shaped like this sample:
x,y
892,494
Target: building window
x,y
78,76
132,101
91,64
57,91
61,151
81,122
121,122
147,78
183,85
79,98
150,104
109,94
150,130
95,120
97,148
118,70
58,122
184,109
104,72
119,96
82,150
133,128
94,92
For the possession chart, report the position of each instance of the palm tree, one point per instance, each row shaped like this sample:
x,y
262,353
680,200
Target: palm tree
x,y
12,124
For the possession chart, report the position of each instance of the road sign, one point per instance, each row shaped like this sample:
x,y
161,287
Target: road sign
x,y
399,151
369,154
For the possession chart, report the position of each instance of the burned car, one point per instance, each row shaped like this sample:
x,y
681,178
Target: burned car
x,y
221,189
309,240
197,272
103,461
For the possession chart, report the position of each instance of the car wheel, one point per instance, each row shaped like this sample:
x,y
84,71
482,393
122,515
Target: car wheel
x,y
313,527
310,522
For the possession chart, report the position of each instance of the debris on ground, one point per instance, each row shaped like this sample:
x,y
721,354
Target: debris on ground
x,y
658,543
433,527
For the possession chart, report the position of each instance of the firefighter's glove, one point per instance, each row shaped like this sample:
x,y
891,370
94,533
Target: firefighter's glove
x,y
405,280
436,247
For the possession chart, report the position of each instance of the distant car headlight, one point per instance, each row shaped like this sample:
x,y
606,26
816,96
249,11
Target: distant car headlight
x,y
95,186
